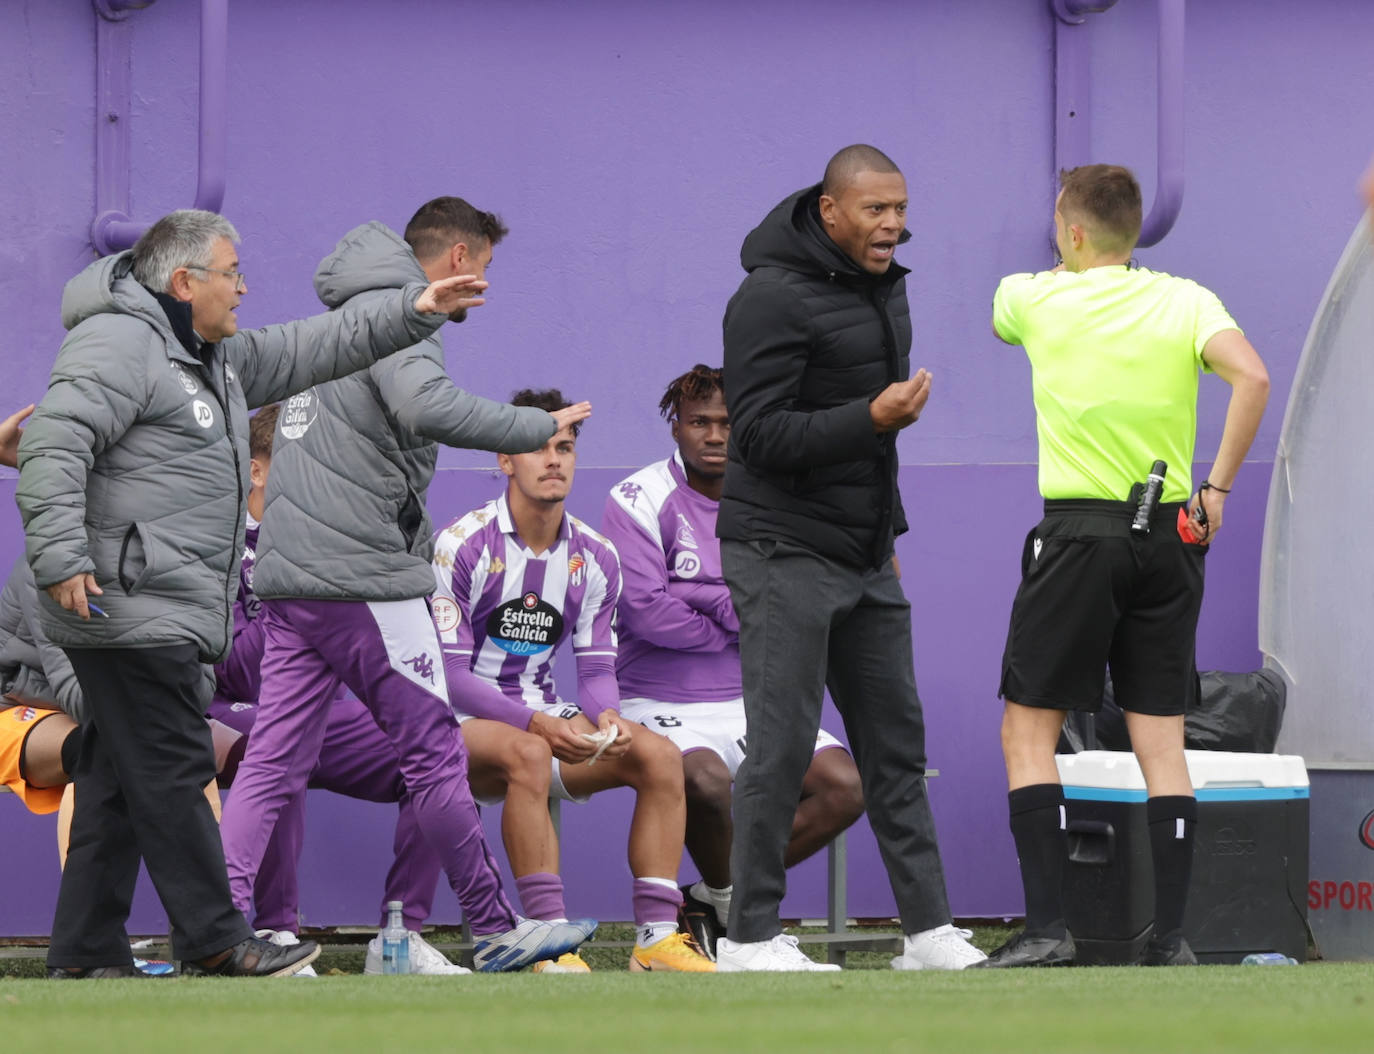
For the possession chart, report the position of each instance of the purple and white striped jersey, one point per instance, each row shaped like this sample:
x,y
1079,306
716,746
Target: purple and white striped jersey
x,y
501,611
679,633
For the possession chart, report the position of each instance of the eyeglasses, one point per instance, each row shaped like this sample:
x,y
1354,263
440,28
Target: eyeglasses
x,y
237,276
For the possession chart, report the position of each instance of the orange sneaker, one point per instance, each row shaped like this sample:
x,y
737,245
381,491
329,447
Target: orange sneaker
x,y
677,951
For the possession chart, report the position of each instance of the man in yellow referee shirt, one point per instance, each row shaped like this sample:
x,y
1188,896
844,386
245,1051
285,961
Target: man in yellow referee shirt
x,y
1115,353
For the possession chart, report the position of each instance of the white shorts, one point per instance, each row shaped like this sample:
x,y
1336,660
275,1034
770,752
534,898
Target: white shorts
x,y
717,727
556,787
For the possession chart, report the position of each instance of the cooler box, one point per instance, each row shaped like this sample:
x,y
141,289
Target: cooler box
x,y
1249,881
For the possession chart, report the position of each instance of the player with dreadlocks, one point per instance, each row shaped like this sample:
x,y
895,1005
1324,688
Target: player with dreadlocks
x,y
679,666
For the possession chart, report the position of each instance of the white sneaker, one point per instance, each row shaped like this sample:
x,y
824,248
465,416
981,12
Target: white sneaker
x,y
943,948
285,939
424,958
780,954
427,959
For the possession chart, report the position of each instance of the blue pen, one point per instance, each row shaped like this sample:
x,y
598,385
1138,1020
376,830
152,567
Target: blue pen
x,y
97,610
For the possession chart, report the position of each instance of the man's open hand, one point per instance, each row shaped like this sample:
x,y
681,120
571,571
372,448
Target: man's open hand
x,y
448,295
10,434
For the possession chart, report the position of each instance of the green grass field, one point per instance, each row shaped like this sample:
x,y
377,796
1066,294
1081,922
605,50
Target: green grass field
x,y
1318,1007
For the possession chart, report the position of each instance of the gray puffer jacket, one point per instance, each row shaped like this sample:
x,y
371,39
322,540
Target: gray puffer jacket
x,y
34,667
135,465
352,460
30,664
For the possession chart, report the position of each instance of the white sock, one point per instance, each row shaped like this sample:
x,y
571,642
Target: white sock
x,y
653,932
717,898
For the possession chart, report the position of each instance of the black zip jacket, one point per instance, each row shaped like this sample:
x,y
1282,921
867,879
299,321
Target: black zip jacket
x,y
811,338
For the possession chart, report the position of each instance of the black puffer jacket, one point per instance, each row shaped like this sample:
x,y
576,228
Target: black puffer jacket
x,y
810,339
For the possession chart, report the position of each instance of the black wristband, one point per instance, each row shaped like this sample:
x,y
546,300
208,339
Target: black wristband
x,y
1208,485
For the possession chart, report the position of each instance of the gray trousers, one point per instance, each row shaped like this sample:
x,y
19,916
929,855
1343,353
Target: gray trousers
x,y
808,623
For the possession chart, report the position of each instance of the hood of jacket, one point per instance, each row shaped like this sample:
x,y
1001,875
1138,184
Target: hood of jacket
x,y
791,237
108,287
369,257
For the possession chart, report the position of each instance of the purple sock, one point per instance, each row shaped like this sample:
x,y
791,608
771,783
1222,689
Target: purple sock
x,y
541,894
655,903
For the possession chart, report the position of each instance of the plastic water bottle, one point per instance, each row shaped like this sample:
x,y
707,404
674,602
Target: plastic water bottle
x,y
395,940
1268,959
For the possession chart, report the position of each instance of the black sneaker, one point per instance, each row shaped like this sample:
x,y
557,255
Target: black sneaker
x,y
1027,950
1172,949
62,973
698,920
254,958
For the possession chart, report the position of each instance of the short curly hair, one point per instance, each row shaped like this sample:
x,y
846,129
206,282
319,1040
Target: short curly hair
x,y
696,385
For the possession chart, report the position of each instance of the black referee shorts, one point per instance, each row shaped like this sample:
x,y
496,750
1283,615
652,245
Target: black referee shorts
x,y
1096,596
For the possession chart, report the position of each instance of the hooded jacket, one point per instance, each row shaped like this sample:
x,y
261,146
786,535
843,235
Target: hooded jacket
x,y
811,338
32,666
352,461
134,467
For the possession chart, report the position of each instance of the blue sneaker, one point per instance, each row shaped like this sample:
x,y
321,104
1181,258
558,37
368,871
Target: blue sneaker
x,y
153,967
530,942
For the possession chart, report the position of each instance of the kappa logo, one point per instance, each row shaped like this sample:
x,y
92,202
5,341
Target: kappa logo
x,y
686,565
630,492
1036,548
576,569
497,565
239,708
205,417
423,666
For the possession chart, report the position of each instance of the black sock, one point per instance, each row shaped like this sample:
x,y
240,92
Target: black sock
x,y
1037,825
231,762
71,750
1172,820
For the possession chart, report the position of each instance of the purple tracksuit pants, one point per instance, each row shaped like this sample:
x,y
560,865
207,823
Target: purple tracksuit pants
x,y
357,761
387,654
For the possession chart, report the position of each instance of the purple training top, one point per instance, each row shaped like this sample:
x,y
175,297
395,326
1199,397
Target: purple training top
x,y
679,633
501,611
238,678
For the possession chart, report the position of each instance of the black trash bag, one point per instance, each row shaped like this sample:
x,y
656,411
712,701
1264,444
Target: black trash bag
x,y
1236,711
1239,711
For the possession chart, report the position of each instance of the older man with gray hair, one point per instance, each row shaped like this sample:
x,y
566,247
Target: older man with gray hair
x,y
133,473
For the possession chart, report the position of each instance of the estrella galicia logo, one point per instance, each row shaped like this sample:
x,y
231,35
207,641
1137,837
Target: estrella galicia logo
x,y
1367,831
298,414
423,666
526,626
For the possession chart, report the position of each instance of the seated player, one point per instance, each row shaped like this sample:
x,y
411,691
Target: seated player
x,y
356,760
515,579
39,745
678,665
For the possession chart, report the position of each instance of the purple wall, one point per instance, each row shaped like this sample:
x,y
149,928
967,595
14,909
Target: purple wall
x,y
630,147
